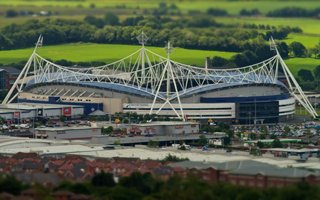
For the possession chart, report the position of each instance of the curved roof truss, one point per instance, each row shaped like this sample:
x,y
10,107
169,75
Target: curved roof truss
x,y
166,80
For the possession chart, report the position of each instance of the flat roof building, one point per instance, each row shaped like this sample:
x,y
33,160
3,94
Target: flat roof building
x,y
163,128
32,110
68,133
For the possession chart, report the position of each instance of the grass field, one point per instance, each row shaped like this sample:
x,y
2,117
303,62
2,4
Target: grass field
x,y
77,9
110,52
106,53
308,41
233,7
308,25
301,111
295,64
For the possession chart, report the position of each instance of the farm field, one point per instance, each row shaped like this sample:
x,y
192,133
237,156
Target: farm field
x,y
185,5
105,52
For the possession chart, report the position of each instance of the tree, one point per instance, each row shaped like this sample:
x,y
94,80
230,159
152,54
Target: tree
x,y
217,12
276,143
99,23
11,13
316,50
153,144
111,19
286,130
283,49
125,121
240,60
103,179
279,34
253,136
144,183
289,12
246,58
92,6
124,193
203,140
297,49
108,130
226,141
80,188
305,75
11,185
5,42
2,120
217,61
260,144
253,12
316,72
132,21
62,118
201,22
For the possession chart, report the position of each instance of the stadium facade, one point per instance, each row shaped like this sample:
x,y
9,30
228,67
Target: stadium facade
x,y
147,83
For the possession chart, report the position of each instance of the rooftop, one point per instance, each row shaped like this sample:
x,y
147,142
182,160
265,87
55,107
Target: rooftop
x,y
64,128
55,149
246,167
271,140
11,70
304,150
166,123
30,106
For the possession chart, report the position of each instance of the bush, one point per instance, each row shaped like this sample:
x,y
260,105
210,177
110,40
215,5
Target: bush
x,y
173,158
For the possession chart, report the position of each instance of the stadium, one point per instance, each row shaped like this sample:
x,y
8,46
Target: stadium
x,y
147,83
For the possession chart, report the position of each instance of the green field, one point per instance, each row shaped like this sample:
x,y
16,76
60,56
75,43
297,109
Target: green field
x,y
78,9
308,25
106,53
233,7
301,111
110,52
295,64
307,40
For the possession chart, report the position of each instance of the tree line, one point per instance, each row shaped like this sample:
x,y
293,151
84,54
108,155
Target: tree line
x,y
145,186
294,12
250,56
199,33
172,9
